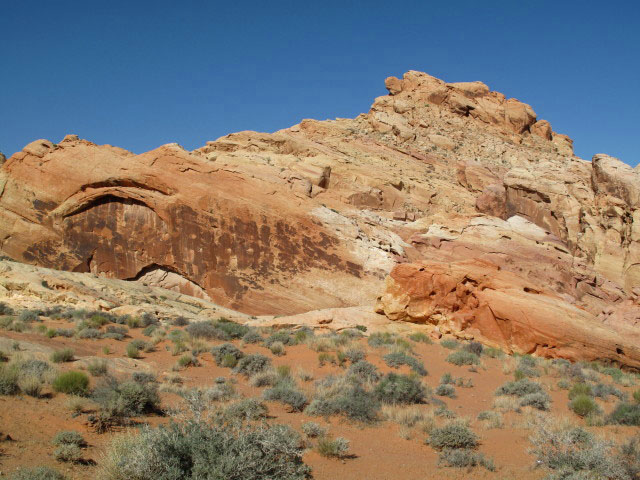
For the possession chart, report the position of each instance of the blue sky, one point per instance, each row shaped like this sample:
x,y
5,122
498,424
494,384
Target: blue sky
x,y
138,74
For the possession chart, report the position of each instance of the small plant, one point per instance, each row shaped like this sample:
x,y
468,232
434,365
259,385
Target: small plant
x,y
324,358
69,438
539,401
252,336
72,383
395,389
519,388
580,389
474,347
465,458
636,396
187,360
277,348
463,357
396,359
420,337
252,364
65,355
97,367
364,371
583,405
286,393
625,414
445,390
313,430
333,448
37,473
68,453
219,352
449,343
452,436
381,339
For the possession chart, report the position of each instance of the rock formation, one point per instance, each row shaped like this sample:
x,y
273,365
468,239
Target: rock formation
x,y
317,215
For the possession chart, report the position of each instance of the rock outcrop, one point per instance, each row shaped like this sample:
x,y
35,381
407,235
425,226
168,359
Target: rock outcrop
x,y
477,300
317,215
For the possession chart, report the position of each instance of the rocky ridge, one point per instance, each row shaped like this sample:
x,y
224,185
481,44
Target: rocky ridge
x,y
317,215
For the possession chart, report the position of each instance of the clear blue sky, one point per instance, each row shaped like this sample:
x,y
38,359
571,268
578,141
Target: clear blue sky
x,y
138,74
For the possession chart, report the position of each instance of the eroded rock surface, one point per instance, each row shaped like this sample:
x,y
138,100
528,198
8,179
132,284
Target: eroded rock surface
x,y
317,215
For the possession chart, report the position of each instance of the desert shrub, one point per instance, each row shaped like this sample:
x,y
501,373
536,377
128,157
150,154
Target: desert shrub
x,y
449,343
252,336
601,390
64,355
636,396
519,388
493,352
187,360
64,332
403,389
396,359
474,347
583,405
337,447
5,309
220,392
252,364
231,330
89,333
580,389
615,373
355,355
205,330
197,450
573,453
324,357
148,331
97,367
625,414
304,375
9,377
69,438
247,409
266,378
381,339
463,357
564,384
365,371
452,436
71,383
420,337
37,473
313,430
464,458
445,390
352,401
539,401
287,393
493,419
277,348
133,350
128,398
28,316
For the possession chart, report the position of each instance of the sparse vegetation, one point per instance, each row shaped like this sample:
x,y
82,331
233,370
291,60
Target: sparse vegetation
x,y
395,389
64,355
336,447
72,383
453,435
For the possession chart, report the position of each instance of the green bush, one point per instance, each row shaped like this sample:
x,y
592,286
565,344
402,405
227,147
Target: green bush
x,y
197,450
128,398
9,376
449,343
463,357
420,337
519,388
396,359
97,367
133,350
286,393
219,352
68,453
72,383
37,473
625,414
400,389
380,339
247,409
69,438
464,458
252,364
580,389
539,401
474,347
64,355
277,348
352,401
583,405
364,371
252,336
337,447
445,390
452,436
636,396
313,430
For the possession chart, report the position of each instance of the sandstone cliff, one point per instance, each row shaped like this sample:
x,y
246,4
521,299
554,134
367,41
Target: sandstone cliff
x,y
317,215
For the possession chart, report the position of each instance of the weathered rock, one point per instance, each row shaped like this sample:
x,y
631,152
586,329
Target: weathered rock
x,y
477,300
